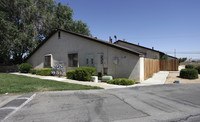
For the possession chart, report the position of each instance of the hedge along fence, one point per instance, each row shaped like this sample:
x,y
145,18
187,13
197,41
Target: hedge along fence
x,y
81,73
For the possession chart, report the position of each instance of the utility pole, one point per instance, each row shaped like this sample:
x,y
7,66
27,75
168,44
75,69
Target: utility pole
x,y
174,52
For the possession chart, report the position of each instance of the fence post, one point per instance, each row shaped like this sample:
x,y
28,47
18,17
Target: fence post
x,y
142,68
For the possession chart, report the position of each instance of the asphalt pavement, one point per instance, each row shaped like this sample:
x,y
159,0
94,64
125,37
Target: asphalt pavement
x,y
175,102
12,103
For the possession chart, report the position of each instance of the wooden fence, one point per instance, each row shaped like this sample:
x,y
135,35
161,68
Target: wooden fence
x,y
152,66
169,65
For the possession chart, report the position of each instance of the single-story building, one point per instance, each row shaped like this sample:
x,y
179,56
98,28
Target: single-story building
x,y
148,52
119,59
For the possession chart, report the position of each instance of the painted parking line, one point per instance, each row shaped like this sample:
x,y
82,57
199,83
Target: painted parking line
x,y
14,105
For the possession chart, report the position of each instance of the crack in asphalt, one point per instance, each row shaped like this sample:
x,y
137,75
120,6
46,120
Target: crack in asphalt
x,y
159,106
184,102
123,100
97,103
186,118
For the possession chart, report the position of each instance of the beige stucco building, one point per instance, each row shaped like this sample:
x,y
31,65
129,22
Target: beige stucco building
x,y
75,50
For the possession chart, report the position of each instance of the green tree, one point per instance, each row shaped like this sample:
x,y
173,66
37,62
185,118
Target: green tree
x,y
26,23
155,57
5,38
182,60
80,27
164,57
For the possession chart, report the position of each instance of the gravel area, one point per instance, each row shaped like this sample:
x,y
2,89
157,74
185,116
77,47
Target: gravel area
x,y
175,76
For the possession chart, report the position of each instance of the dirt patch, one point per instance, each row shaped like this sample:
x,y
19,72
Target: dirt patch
x,y
175,76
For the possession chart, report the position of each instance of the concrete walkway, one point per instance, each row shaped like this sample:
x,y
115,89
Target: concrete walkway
x,y
158,78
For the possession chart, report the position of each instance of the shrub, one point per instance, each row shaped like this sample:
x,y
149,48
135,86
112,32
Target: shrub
x,y
24,67
198,69
189,66
81,73
44,72
70,74
121,81
189,73
33,71
90,70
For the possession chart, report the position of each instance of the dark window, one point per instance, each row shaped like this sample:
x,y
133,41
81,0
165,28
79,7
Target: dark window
x,y
101,59
99,74
47,61
92,61
105,71
73,60
87,61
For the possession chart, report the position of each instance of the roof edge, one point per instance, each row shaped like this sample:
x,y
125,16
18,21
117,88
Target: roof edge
x,y
104,42
87,37
145,48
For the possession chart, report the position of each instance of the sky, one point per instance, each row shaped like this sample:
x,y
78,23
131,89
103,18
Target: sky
x,y
167,25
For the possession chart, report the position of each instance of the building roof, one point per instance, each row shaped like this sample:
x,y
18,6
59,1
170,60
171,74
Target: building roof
x,y
87,37
137,45
162,53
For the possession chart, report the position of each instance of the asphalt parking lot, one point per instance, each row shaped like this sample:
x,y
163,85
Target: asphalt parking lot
x,y
177,102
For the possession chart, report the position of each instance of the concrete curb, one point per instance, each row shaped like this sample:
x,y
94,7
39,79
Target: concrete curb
x,y
11,107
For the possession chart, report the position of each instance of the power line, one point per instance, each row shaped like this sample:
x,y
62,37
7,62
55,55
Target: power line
x,y
182,52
